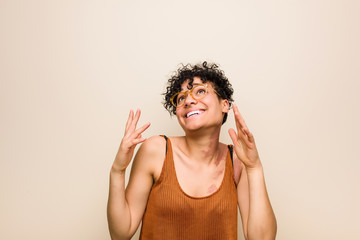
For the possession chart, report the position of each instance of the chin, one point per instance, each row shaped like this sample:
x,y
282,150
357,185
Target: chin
x,y
194,126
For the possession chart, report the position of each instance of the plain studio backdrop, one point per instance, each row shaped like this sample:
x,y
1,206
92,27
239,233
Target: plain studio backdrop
x,y
71,71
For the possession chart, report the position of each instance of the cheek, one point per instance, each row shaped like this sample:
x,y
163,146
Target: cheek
x,y
215,104
217,109
178,113
178,116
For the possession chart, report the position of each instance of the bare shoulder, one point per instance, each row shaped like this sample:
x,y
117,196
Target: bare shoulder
x,y
151,154
152,145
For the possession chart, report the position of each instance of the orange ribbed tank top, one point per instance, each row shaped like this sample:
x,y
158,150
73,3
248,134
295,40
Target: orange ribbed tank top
x,y
172,214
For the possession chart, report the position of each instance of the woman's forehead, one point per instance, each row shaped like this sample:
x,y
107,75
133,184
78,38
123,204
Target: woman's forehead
x,y
185,85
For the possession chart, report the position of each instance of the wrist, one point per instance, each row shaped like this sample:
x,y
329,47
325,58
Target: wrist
x,y
117,170
255,169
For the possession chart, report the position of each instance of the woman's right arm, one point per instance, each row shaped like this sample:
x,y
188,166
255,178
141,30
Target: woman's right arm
x,y
126,207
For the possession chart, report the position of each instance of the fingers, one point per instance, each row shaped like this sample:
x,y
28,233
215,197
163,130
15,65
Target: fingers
x,y
250,136
138,132
238,118
129,121
233,136
239,124
242,141
136,118
132,121
131,133
138,140
243,131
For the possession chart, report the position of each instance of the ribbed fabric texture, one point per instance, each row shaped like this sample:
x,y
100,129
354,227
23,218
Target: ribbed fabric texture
x,y
172,214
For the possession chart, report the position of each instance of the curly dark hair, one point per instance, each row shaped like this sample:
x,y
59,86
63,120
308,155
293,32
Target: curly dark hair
x,y
207,73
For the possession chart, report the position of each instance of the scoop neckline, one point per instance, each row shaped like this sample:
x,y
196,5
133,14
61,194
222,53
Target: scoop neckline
x,y
201,197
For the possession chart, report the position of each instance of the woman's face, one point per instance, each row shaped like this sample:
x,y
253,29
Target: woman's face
x,y
206,112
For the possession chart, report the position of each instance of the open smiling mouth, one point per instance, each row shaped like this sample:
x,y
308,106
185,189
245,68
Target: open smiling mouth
x,y
194,113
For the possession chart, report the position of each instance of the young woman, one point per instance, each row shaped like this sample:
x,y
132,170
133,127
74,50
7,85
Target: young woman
x,y
189,187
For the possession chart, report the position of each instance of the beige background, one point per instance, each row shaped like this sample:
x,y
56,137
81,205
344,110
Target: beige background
x,y
70,72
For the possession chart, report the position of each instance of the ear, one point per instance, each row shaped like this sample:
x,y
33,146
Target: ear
x,y
225,105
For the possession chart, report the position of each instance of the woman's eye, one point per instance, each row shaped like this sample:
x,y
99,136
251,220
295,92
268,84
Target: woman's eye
x,y
180,99
200,91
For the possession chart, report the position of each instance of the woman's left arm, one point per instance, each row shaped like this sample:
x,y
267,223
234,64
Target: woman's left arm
x,y
257,215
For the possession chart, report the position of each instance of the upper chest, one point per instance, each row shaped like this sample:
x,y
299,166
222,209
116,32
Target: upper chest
x,y
196,178
199,180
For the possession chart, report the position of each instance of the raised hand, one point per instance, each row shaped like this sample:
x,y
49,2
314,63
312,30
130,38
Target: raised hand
x,y
244,143
131,138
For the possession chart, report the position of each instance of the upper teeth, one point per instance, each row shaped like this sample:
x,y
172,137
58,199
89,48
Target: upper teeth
x,y
192,113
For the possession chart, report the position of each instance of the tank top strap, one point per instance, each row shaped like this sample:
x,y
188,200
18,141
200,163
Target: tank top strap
x,y
231,150
166,138
230,163
168,169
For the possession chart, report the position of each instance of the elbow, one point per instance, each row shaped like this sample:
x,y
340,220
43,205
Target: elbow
x,y
119,237
264,232
261,236
118,230
118,234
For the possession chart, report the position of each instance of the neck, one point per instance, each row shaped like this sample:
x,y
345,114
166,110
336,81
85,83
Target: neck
x,y
203,147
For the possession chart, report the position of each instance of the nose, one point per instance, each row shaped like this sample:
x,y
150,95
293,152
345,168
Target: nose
x,y
189,100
